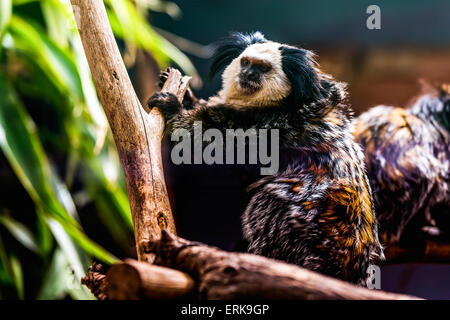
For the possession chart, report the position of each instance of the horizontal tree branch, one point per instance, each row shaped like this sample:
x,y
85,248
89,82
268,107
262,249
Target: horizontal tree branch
x,y
133,280
223,275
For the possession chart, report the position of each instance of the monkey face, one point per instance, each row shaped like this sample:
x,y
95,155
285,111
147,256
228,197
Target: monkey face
x,y
252,73
256,76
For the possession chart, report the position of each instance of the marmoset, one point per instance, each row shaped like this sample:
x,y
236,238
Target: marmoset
x,y
317,210
407,154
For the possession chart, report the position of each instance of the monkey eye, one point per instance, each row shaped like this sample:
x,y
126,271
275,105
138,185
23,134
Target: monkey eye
x,y
264,68
245,62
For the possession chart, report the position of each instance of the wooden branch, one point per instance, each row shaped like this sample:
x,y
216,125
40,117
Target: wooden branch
x,y
95,280
136,133
132,280
223,275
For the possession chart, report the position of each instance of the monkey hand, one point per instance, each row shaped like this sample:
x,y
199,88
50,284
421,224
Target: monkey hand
x,y
166,102
189,99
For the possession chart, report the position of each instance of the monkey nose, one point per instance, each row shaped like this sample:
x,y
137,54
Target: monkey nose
x,y
251,75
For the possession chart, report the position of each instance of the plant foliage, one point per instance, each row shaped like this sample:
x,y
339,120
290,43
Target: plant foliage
x,y
57,152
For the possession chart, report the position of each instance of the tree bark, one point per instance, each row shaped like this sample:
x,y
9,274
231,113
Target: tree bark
x,y
137,134
133,280
223,275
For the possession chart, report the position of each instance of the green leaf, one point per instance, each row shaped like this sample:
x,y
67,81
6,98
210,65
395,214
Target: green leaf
x,y
112,205
58,63
20,232
20,2
91,102
59,280
54,285
101,173
20,143
63,195
68,247
104,171
75,258
46,64
17,276
132,26
44,236
84,242
56,19
5,15
5,266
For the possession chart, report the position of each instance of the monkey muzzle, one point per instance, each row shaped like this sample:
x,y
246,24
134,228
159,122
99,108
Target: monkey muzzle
x,y
250,79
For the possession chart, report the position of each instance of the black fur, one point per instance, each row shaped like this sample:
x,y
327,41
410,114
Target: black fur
x,y
300,68
435,107
166,102
230,48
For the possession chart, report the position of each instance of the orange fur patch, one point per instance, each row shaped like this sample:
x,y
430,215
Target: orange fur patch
x,y
357,233
334,118
297,187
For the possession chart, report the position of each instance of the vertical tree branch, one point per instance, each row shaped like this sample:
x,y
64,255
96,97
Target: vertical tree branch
x,y
137,134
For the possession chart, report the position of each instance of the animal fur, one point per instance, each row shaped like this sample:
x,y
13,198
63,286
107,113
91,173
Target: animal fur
x,y
317,211
407,154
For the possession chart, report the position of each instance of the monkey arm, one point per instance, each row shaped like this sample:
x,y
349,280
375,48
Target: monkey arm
x,y
167,103
218,116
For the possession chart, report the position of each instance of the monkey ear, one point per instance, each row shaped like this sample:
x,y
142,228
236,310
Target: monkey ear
x,y
229,48
303,73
